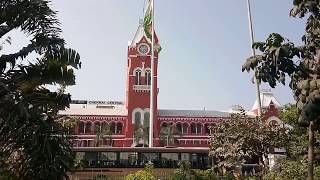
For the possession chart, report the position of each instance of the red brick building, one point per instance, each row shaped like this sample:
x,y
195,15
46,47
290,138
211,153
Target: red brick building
x,y
178,134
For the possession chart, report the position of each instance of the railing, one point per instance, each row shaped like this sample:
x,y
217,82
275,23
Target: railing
x,y
141,87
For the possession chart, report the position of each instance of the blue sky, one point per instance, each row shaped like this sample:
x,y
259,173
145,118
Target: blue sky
x,y
204,45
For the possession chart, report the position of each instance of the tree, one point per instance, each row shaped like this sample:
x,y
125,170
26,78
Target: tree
x,y
168,135
102,133
281,58
142,134
35,144
244,140
184,172
69,123
146,174
294,166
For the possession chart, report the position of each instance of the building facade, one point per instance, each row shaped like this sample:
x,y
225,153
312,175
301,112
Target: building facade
x,y
112,132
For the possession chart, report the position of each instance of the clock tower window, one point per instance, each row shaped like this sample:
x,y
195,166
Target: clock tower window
x,y
138,77
137,119
148,77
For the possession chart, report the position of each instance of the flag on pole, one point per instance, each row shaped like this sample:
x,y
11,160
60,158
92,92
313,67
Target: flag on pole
x,y
148,25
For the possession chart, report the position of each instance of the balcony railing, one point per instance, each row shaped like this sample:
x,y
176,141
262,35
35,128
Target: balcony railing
x,y
141,87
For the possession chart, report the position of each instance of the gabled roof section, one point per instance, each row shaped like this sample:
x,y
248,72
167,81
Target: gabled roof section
x,y
267,99
191,113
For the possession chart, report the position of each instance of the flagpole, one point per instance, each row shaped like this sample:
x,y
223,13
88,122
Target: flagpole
x,y
152,79
253,54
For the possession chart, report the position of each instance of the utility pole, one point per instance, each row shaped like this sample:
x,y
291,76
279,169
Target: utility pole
x,y
253,54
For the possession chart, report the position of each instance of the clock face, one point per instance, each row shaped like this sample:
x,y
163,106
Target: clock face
x,y
143,49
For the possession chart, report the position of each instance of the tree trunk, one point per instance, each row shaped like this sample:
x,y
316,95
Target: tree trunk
x,y
311,150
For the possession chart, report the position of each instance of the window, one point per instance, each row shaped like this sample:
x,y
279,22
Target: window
x,y
137,119
196,128
193,128
119,128
185,128
146,120
179,128
199,128
138,77
207,129
148,77
88,128
182,128
84,143
81,127
97,127
104,125
113,127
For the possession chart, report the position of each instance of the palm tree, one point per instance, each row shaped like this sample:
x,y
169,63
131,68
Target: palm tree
x,y
4,42
69,123
36,145
102,133
141,134
168,135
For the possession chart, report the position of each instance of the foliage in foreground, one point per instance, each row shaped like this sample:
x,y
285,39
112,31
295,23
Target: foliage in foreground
x,y
141,175
243,139
295,164
34,144
296,170
146,174
280,58
184,172
296,147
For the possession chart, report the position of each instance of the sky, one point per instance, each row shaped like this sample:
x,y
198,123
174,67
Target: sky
x,y
204,43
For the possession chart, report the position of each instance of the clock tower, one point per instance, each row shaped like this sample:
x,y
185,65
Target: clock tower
x,y
138,91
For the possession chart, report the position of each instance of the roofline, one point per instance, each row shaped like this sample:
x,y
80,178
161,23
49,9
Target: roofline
x,y
194,116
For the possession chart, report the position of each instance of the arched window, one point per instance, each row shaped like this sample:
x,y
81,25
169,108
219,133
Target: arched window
x,y
104,124
137,119
199,128
146,121
88,128
207,129
193,128
81,127
138,77
164,124
182,128
97,127
148,77
196,128
113,127
119,128
179,127
185,128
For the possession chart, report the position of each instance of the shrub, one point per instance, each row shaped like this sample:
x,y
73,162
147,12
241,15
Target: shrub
x,y
101,177
141,175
